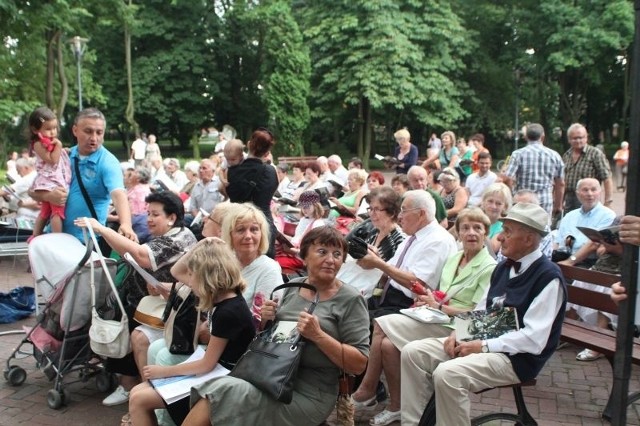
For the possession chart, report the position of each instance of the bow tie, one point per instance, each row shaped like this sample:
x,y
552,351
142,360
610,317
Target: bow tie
x,y
516,265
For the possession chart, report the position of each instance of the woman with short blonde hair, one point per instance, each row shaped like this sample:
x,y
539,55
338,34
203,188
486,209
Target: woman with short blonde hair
x,y
405,151
246,230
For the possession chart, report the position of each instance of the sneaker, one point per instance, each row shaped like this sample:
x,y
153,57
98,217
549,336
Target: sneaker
x,y
119,396
385,417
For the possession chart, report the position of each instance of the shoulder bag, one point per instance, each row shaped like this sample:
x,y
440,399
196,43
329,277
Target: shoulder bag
x,y
103,246
107,338
272,366
181,321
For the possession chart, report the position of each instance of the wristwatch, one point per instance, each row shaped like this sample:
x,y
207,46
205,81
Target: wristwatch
x,y
573,258
485,347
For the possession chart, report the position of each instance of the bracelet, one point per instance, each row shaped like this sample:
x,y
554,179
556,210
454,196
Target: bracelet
x,y
439,306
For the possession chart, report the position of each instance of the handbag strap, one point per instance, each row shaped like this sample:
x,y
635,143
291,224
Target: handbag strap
x,y
103,264
315,300
85,195
310,309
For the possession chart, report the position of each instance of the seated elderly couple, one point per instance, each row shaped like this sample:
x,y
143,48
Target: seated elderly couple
x,y
421,361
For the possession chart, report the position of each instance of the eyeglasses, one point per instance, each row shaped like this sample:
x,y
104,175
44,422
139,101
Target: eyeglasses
x,y
403,211
207,216
375,209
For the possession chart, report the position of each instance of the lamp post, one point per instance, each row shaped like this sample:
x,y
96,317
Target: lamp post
x,y
78,45
516,74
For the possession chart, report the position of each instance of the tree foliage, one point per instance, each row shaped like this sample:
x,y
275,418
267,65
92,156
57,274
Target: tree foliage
x,y
330,75
386,55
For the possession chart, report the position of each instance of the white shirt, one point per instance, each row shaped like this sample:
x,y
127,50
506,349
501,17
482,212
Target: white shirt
x,y
139,148
262,275
537,322
476,185
21,187
426,256
180,179
342,174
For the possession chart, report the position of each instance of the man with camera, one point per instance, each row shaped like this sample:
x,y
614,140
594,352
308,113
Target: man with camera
x,y
419,258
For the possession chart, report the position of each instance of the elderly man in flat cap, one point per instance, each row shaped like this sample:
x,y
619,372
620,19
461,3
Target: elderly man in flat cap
x,y
526,280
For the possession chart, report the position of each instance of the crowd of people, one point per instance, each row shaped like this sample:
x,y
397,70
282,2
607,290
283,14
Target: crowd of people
x,y
448,233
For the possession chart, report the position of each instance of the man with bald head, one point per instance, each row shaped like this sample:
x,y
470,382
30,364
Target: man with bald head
x,y
419,179
325,171
584,161
206,192
591,214
335,165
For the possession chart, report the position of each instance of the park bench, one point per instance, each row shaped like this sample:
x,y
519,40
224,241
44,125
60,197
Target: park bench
x,y
588,336
293,160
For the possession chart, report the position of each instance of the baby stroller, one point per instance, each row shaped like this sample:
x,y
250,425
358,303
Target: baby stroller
x,y
59,341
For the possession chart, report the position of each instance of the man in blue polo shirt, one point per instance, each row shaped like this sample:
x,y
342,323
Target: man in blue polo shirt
x,y
101,175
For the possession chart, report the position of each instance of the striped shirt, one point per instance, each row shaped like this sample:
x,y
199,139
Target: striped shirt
x,y
592,163
535,167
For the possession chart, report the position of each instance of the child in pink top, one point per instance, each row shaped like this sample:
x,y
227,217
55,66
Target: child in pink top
x,y
52,165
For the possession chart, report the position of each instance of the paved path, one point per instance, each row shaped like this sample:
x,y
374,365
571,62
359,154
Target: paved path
x,y
568,392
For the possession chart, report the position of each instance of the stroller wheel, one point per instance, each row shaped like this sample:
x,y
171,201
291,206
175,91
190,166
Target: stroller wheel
x,y
15,375
105,381
54,399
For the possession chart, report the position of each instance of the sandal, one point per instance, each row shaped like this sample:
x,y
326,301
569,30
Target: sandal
x,y
368,404
588,355
126,420
385,417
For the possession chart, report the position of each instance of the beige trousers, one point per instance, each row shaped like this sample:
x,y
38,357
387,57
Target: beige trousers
x,y
427,368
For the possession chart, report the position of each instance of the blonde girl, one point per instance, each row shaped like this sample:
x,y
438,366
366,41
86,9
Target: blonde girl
x,y
212,271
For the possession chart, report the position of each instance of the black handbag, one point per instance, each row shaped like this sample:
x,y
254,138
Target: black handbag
x,y
181,320
358,247
272,366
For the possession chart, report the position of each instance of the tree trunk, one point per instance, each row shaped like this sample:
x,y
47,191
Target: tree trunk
x,y
52,39
368,130
360,121
130,110
64,84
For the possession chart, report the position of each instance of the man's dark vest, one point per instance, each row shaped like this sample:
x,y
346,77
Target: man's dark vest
x,y
519,292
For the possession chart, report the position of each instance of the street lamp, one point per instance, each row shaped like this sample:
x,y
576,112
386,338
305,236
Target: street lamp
x,y
78,45
516,74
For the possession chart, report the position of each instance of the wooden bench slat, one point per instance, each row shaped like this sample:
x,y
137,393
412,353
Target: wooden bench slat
x,y
592,299
589,276
289,160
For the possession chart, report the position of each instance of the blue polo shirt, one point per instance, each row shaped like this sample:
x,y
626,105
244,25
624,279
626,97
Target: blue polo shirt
x,y
101,174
